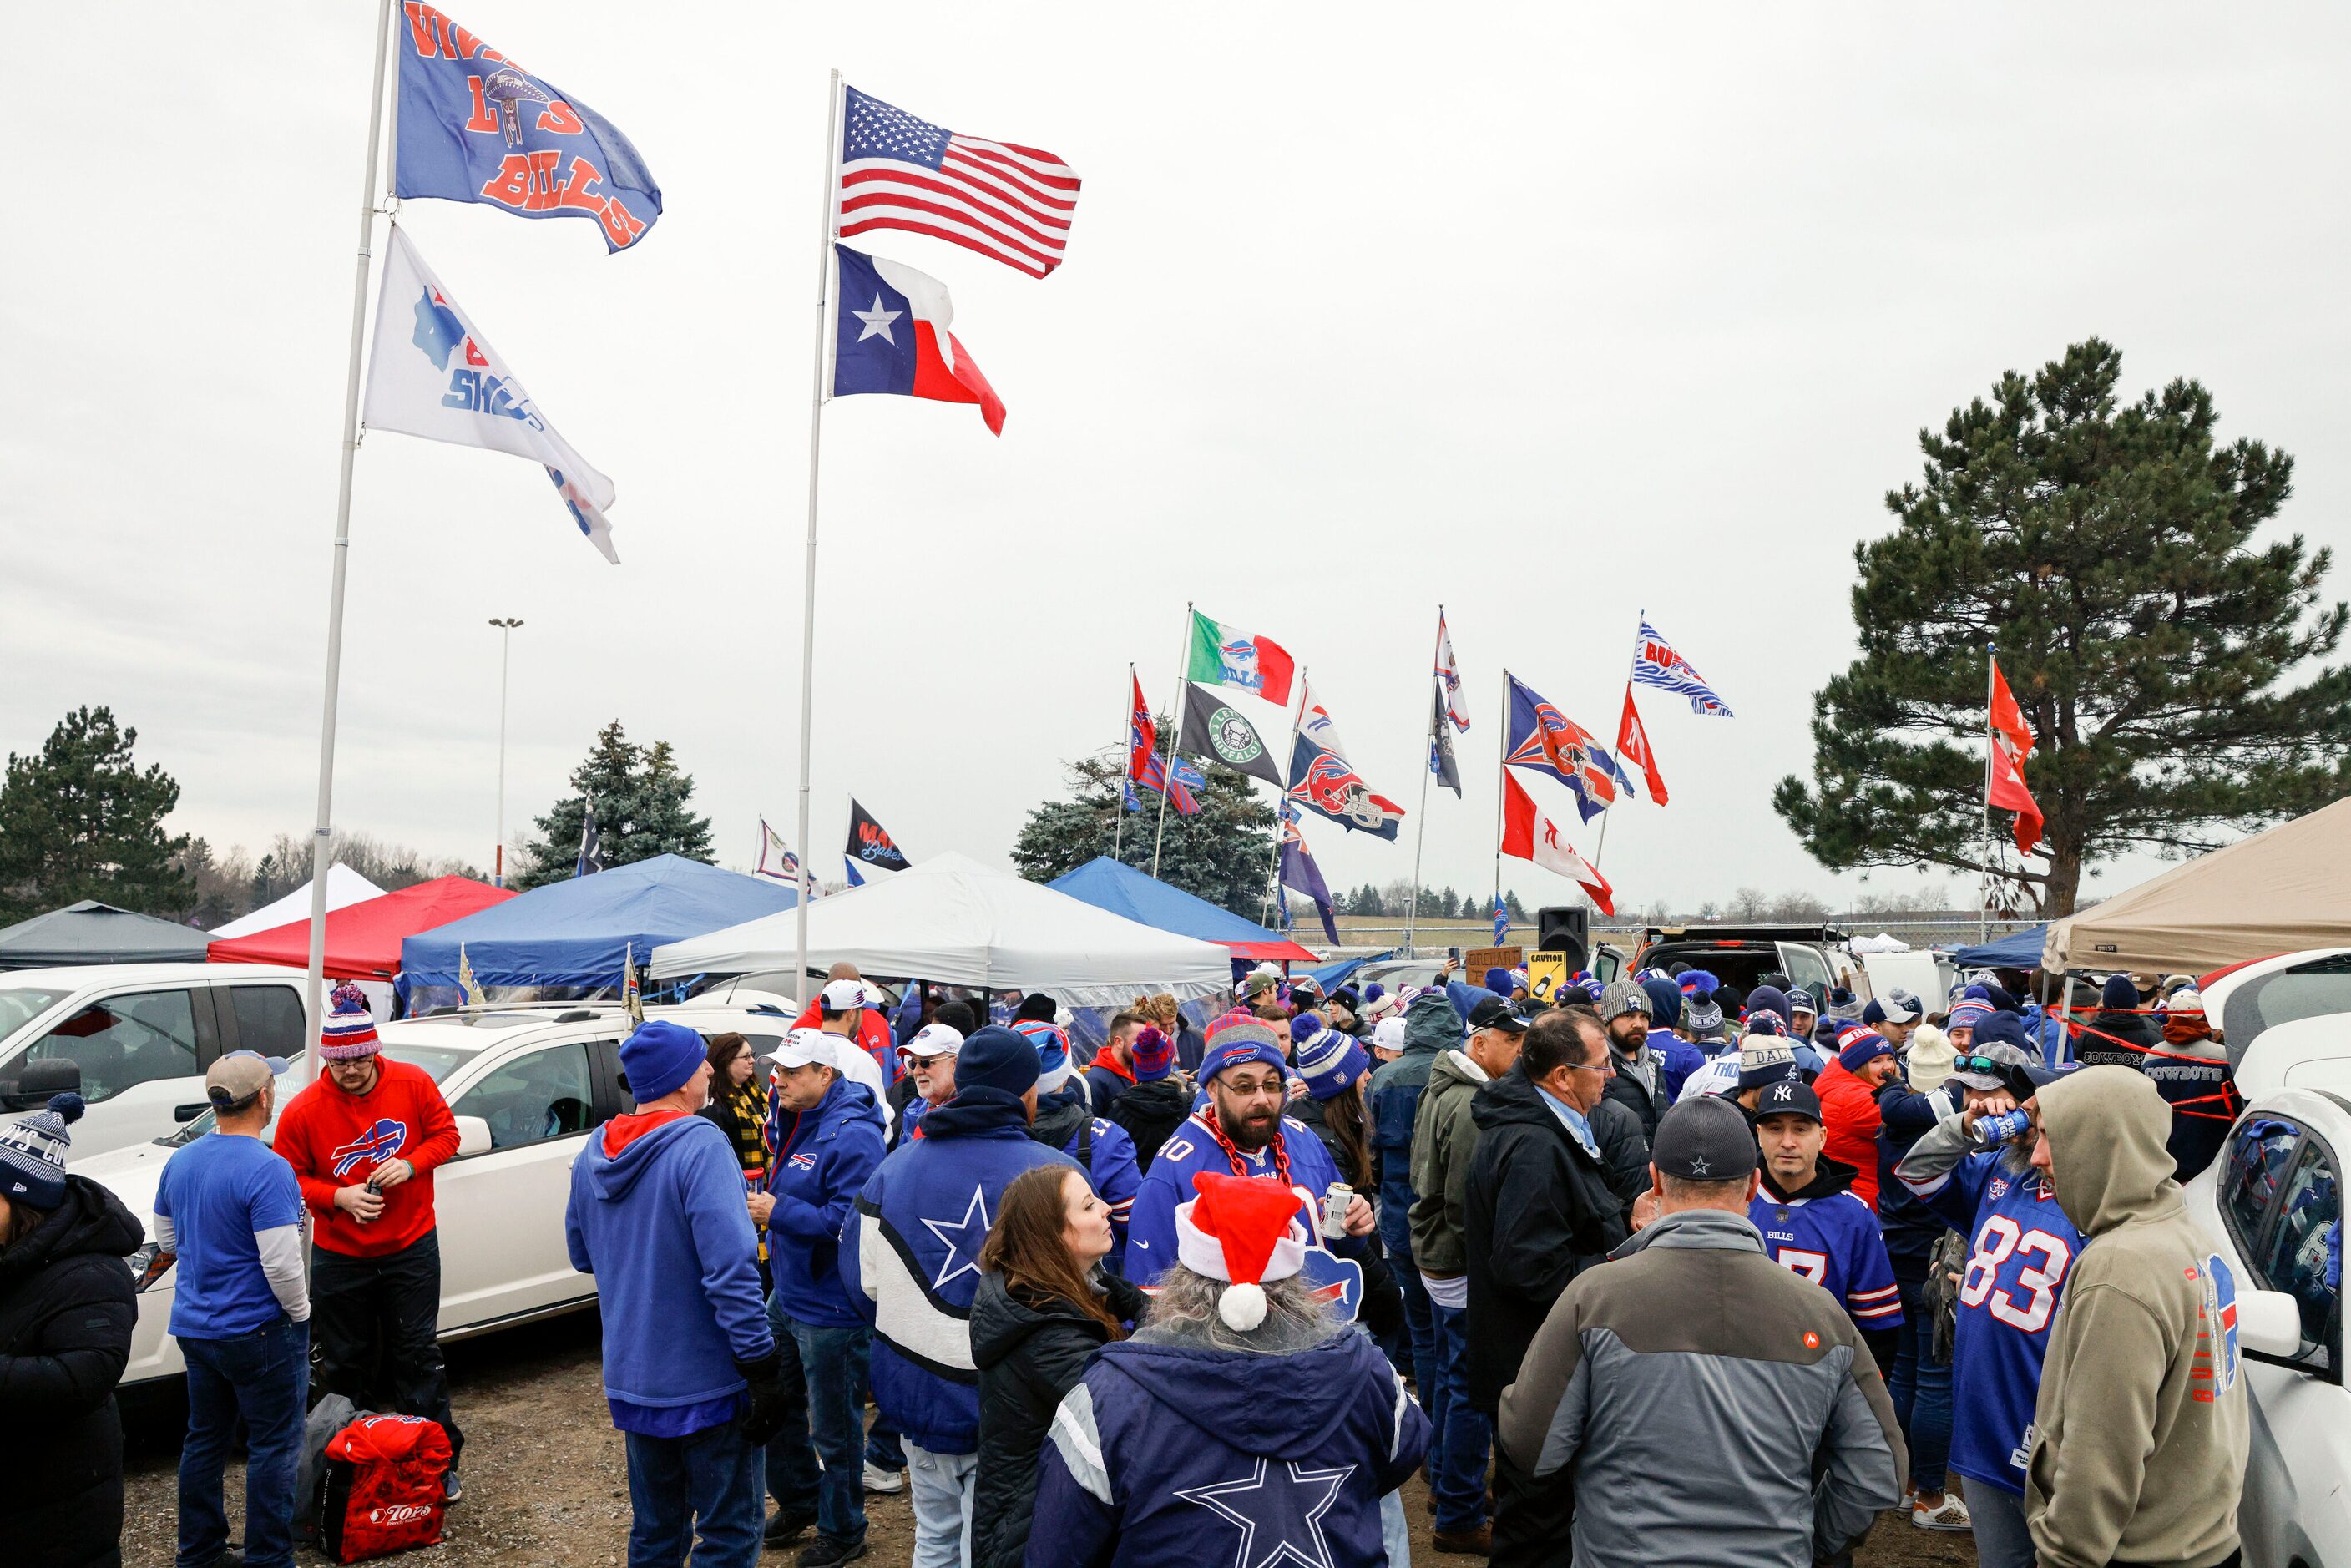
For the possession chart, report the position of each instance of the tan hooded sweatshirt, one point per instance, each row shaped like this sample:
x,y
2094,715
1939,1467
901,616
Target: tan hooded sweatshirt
x,y
2138,1453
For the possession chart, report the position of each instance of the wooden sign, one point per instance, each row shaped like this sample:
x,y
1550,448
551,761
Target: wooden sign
x,y
1476,961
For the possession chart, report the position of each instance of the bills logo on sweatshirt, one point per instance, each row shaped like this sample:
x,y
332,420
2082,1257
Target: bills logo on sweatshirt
x,y
377,1145
803,1162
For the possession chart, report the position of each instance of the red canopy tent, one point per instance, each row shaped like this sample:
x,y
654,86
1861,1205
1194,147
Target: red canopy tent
x,y
363,939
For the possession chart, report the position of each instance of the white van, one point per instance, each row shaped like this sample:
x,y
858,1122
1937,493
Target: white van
x,y
135,1040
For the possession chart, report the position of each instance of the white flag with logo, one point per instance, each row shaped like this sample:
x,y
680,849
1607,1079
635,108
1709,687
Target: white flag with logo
x,y
433,374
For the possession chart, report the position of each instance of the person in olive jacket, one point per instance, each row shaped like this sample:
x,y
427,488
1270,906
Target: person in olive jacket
x,y
65,1315
1042,1309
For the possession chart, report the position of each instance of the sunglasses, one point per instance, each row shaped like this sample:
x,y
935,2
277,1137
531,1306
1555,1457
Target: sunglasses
x,y
1983,1064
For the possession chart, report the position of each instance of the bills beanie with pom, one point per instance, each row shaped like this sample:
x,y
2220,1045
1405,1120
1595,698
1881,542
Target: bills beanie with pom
x,y
33,1153
1154,1054
1244,1232
1237,1038
349,1032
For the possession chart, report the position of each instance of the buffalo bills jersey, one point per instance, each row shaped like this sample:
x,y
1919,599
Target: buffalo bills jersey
x,y
1833,1241
2020,1248
1193,1148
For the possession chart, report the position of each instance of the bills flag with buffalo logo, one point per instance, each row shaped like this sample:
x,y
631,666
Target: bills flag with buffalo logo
x,y
1299,874
891,330
433,374
871,843
1545,740
1010,202
1529,835
476,126
1322,780
1221,656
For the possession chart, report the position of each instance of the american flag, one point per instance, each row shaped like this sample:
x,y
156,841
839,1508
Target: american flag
x,y
998,198
1656,664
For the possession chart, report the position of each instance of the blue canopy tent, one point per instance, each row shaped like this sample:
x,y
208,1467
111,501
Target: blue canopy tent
x,y
1108,884
2016,950
570,938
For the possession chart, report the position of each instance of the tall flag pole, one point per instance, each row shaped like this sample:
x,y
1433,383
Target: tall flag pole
x,y
1502,767
321,846
2007,744
1175,739
820,380
1640,640
1420,834
1126,760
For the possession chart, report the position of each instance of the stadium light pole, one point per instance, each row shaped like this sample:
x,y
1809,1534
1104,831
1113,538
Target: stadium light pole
x,y
505,643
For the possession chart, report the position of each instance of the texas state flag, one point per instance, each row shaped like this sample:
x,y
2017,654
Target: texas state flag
x,y
892,336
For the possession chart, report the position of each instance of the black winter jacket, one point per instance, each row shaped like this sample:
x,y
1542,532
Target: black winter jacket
x,y
1029,1356
65,1315
1624,1152
1625,1087
1541,1211
1150,1113
2097,1050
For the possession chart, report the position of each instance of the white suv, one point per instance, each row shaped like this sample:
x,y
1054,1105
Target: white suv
x,y
134,1040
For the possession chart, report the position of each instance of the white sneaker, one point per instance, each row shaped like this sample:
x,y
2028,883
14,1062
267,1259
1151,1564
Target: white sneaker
x,y
1951,1516
885,1482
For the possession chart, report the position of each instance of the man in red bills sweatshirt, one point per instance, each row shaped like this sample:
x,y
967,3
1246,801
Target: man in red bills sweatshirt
x,y
363,1141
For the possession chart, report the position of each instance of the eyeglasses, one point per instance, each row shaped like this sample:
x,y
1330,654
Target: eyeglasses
x,y
1606,1066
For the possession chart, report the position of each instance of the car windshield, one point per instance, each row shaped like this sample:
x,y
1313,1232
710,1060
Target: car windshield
x,y
436,1064
20,1005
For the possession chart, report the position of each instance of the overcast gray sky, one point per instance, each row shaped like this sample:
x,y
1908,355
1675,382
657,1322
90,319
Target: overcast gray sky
x,y
1549,312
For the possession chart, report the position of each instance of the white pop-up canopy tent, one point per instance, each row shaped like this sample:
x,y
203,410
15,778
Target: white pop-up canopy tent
x,y
345,887
952,921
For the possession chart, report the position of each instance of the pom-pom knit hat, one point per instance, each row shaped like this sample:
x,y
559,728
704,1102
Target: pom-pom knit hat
x,y
1245,1232
33,1153
349,1032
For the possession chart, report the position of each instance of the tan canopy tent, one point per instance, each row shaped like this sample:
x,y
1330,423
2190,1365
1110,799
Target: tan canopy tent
x,y
2278,891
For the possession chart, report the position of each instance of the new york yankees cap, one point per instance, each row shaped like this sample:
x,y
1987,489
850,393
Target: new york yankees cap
x,y
1705,1139
1788,1097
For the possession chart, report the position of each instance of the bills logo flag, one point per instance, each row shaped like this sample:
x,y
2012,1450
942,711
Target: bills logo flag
x,y
432,373
476,126
1633,745
372,1147
1502,920
1529,836
1301,875
1656,663
1003,200
1448,677
870,842
776,857
1146,766
892,338
1142,738
1221,656
1547,741
1322,780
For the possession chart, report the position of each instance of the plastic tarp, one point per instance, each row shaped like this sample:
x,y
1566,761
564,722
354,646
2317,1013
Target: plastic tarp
x,y
94,933
1881,943
1110,884
577,932
363,939
2277,892
952,921
2016,950
345,887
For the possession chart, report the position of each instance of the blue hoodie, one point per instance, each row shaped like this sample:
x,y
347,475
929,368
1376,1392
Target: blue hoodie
x,y
1168,1457
910,1258
823,1157
656,1214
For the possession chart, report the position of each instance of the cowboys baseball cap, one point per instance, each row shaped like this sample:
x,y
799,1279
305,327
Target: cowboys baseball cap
x,y
1494,1012
1705,1139
1789,1097
236,1078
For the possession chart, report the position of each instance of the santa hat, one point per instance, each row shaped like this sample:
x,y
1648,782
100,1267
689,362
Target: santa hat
x,y
349,1032
1243,1231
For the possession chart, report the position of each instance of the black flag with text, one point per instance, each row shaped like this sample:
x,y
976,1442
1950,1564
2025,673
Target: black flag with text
x,y
870,842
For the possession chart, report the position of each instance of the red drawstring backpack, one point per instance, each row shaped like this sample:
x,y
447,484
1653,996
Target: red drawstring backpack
x,y
384,1487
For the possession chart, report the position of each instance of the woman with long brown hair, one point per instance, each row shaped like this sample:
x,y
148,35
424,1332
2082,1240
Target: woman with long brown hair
x,y
1043,1307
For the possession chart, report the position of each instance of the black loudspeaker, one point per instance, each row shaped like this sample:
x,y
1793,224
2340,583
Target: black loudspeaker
x,y
1565,930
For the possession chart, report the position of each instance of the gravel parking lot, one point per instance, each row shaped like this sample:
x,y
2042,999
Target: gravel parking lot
x,y
546,1487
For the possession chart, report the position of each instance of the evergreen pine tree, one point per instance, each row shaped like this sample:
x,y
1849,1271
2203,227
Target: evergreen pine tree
x,y
79,819
1222,853
642,805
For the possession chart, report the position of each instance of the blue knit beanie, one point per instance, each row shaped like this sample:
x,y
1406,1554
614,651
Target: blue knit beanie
x,y
1498,980
1768,999
1858,1046
660,1057
33,1153
2120,994
1329,1061
996,1057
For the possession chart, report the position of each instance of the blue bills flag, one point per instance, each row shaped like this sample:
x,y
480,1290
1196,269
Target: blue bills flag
x,y
892,338
1322,780
476,126
1502,920
1656,662
1545,740
432,373
1301,875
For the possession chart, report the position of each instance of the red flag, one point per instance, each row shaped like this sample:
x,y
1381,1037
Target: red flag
x,y
1632,746
1142,739
2008,718
2008,792
1529,836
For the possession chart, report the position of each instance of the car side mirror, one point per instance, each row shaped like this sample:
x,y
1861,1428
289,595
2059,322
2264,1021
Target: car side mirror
x,y
473,1135
2269,1324
37,1081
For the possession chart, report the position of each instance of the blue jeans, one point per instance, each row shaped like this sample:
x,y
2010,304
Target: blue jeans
x,y
2001,1538
263,1377
1457,1481
825,1368
1920,1389
708,1479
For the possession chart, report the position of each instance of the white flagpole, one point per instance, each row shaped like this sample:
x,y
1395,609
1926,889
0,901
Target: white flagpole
x,y
1602,848
1427,766
1126,758
816,448
1281,796
1183,706
314,985
1984,889
1501,784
